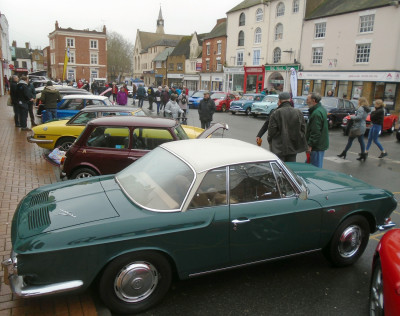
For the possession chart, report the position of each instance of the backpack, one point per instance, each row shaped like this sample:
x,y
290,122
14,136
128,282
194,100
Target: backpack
x,y
183,100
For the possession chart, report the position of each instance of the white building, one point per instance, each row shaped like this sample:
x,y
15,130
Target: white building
x,y
5,52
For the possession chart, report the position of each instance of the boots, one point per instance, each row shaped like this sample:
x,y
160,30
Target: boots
x,y
342,155
362,157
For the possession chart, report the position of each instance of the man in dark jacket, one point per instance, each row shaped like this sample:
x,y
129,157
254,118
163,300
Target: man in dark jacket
x,y
287,130
141,93
14,100
50,97
30,103
24,96
206,110
150,95
317,134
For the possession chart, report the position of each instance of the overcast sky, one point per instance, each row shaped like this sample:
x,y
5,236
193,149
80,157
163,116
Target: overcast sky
x,y
32,21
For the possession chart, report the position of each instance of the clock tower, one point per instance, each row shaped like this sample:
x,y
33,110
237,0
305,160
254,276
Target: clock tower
x,y
160,24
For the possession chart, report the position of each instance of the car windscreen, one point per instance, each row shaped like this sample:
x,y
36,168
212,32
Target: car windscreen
x,y
270,99
299,103
247,97
154,185
218,96
329,102
198,94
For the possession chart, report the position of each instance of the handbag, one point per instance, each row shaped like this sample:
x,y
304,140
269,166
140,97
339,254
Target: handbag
x,y
348,127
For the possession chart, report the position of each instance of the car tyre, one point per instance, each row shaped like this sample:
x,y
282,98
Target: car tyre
x,y
233,112
135,282
348,242
64,143
83,173
376,300
248,111
254,114
392,129
223,109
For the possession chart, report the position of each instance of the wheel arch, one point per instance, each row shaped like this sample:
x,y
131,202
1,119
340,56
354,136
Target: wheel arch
x,y
85,165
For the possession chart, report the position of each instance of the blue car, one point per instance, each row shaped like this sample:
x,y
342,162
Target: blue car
x,y
266,106
245,102
196,97
72,104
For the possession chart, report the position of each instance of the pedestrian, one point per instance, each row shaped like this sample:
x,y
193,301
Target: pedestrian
x,y
141,93
262,131
125,89
206,110
30,103
114,91
329,93
6,84
14,100
86,86
183,102
164,98
358,128
158,98
80,84
172,108
122,98
24,96
377,117
134,89
317,134
150,96
50,97
95,88
287,130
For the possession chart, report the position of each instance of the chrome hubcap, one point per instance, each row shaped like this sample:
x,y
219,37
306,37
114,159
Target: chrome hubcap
x,y
83,175
350,241
377,294
136,282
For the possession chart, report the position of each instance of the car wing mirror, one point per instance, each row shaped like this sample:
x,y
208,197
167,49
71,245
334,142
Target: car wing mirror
x,y
303,195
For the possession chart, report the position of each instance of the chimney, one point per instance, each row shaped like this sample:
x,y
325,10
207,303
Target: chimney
x,y
27,45
14,44
57,25
219,21
104,29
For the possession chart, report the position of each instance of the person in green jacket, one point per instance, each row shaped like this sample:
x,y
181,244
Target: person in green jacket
x,y
317,134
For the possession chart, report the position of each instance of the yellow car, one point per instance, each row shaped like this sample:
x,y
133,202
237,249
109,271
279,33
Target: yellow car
x,y
62,133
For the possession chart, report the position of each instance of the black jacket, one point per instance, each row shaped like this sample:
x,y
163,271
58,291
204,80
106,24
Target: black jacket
x,y
377,116
206,109
13,92
24,93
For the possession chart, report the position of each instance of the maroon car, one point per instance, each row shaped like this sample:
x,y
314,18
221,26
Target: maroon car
x,y
223,100
108,145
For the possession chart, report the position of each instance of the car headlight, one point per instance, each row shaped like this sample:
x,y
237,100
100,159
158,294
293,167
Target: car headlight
x,y
344,121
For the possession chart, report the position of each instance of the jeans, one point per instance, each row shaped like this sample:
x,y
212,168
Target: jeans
x,y
141,102
360,140
51,114
373,136
158,106
317,157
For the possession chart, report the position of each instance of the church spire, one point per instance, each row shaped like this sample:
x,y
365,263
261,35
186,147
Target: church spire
x,y
160,23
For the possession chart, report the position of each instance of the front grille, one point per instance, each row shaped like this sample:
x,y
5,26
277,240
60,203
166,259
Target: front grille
x,y
39,198
38,218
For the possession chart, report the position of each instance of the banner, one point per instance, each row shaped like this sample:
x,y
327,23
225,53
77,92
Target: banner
x,y
293,82
66,57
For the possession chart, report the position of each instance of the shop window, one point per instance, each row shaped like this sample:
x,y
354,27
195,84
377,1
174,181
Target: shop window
x,y
317,86
320,29
280,9
342,89
386,92
363,51
306,87
356,93
330,86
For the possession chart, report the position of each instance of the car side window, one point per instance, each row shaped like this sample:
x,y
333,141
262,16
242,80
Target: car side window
x,y
347,105
212,190
83,118
258,98
340,104
285,187
109,137
252,182
150,138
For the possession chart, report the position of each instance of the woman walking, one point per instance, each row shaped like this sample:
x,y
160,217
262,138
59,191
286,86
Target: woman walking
x,y
358,129
173,109
377,123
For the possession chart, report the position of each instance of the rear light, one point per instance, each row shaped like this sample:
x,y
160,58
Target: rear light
x,y
62,160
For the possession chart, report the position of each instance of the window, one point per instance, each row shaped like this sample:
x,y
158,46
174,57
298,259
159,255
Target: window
x,y
24,64
207,65
71,58
94,44
241,38
219,48
212,190
252,182
259,15
257,36
179,66
367,23
279,31
280,9
208,49
219,65
109,137
158,64
52,44
256,57
363,51
285,188
239,58
93,59
320,29
277,55
71,74
70,42
170,66
94,74
242,19
150,138
317,53
52,58
295,6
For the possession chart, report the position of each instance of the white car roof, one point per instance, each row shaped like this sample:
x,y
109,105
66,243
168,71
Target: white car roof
x,y
211,153
85,96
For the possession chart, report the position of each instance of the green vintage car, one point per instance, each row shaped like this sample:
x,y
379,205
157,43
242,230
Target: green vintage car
x,y
181,210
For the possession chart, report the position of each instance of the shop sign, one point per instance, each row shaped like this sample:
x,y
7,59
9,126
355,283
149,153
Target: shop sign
x,y
277,81
351,76
281,67
175,76
235,70
198,66
259,70
21,69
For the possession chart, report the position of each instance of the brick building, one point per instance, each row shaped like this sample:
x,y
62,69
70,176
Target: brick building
x,y
88,53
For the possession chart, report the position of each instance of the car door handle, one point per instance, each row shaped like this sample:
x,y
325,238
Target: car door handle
x,y
240,221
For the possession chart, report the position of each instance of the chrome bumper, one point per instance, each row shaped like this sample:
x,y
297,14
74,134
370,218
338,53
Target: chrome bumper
x,y
30,139
18,286
388,224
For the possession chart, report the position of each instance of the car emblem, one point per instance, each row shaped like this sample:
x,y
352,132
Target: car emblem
x,y
66,213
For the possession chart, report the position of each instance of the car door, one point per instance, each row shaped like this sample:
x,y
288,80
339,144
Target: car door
x,y
70,107
267,218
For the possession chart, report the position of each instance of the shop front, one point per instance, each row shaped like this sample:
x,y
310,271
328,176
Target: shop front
x,y
353,85
191,82
216,82
233,79
278,77
175,80
254,79
159,80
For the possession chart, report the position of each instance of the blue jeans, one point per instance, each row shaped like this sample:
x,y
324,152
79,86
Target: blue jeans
x,y
350,142
141,102
373,136
317,157
51,114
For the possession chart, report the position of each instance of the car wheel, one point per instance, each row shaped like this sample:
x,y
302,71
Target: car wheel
x,y
348,242
376,306
392,129
254,114
248,111
233,112
223,109
83,173
398,136
64,143
135,282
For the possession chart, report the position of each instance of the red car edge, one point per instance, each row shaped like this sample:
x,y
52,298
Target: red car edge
x,y
389,123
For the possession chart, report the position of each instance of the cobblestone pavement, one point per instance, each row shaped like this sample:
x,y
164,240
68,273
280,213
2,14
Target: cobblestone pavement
x,y
22,169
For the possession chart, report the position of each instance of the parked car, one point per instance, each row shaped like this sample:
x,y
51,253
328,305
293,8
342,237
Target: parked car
x,y
389,122
300,102
337,109
194,213
245,102
223,100
72,104
398,134
62,133
266,106
195,98
108,145
64,90
385,281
